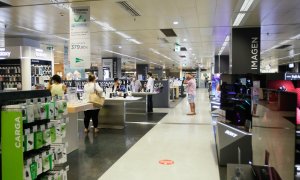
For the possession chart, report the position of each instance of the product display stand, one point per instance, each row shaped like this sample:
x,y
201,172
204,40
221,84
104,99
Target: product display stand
x,y
113,113
32,126
228,139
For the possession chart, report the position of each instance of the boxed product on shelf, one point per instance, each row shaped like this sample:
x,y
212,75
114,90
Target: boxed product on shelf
x,y
53,134
38,139
60,153
37,109
28,140
27,172
39,161
48,162
50,110
47,136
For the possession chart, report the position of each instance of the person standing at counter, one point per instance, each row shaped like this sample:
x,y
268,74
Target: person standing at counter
x,y
89,88
191,91
56,87
135,85
116,86
150,88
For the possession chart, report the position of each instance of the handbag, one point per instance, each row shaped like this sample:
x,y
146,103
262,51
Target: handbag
x,y
96,99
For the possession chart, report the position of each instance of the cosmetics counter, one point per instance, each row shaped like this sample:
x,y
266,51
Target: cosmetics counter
x,y
32,131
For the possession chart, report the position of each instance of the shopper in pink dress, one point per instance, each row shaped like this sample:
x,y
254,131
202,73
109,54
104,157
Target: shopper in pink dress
x,y
191,91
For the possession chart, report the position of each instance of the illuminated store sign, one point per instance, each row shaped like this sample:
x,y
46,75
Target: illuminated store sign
x,y
292,76
40,53
4,54
230,133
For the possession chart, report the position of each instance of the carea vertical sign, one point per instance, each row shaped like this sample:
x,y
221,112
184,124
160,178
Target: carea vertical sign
x,y
246,50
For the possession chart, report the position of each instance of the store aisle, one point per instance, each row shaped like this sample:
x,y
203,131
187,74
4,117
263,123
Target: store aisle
x,y
186,140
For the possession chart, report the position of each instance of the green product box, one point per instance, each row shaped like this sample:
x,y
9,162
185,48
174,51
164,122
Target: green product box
x,y
33,170
53,134
47,136
38,140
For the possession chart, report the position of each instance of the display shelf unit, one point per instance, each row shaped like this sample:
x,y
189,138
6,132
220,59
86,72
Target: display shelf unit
x,y
10,74
40,71
29,139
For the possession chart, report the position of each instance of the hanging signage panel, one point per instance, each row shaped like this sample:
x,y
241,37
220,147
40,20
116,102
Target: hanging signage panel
x,y
80,46
246,50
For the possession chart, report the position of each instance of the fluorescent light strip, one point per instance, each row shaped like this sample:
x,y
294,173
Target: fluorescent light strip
x,y
124,55
105,26
123,35
238,19
226,41
61,37
246,5
156,52
285,42
28,29
295,37
135,41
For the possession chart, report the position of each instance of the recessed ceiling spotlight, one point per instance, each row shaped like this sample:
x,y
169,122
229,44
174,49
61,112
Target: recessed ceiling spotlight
x,y
120,47
175,22
184,39
190,49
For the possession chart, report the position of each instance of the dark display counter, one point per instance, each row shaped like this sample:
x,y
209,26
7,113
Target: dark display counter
x,y
229,139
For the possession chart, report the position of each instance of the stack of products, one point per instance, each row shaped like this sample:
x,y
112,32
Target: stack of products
x,y
42,127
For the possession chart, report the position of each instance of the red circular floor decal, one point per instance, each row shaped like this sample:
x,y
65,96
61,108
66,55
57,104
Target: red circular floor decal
x,y
166,162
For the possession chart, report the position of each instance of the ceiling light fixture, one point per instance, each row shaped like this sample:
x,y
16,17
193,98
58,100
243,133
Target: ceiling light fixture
x,y
105,26
125,55
120,47
239,19
156,52
28,29
175,22
135,41
63,38
295,37
184,40
226,41
123,35
246,5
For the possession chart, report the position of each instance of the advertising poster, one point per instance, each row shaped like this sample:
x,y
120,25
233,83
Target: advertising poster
x,y
80,46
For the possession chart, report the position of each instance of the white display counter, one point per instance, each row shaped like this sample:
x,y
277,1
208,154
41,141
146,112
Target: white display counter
x,y
72,126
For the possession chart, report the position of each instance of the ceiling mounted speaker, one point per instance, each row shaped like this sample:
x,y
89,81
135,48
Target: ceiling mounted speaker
x,y
127,6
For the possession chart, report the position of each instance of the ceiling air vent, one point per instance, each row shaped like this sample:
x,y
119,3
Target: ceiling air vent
x,y
183,49
3,4
169,32
283,46
182,56
129,8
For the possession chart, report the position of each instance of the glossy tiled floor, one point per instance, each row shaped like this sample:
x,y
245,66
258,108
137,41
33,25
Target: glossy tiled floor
x,y
186,140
